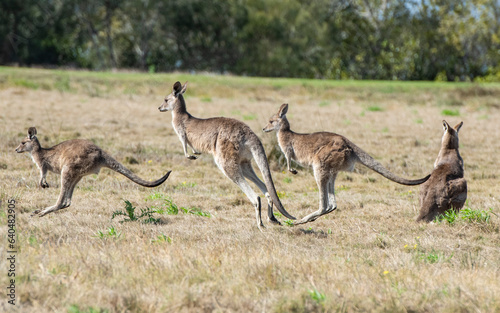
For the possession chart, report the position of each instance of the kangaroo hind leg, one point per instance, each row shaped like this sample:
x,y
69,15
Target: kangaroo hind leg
x,y
68,183
252,196
332,203
323,181
234,172
249,173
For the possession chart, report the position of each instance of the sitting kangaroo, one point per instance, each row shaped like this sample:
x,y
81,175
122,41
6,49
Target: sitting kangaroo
x,y
233,145
328,154
73,159
447,188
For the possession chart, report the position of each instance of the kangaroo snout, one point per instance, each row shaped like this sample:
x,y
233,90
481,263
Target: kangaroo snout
x,y
163,106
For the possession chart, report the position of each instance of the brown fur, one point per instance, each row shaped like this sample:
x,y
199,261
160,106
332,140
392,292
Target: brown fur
x,y
73,159
328,154
447,188
233,145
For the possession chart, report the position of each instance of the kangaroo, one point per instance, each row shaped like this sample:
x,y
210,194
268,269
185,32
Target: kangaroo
x,y
328,154
233,145
447,188
73,159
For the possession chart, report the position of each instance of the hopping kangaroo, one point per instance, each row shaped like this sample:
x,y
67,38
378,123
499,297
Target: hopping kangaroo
x,y
328,154
447,187
73,159
233,145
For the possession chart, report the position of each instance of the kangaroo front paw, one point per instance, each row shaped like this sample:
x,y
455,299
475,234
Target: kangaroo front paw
x,y
44,185
191,157
293,171
34,213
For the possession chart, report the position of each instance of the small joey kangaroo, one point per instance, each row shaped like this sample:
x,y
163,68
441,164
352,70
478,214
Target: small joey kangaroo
x,y
233,145
73,159
328,154
447,188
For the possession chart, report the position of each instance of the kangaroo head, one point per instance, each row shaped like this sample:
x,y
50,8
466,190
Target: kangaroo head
x,y
29,143
450,136
172,99
278,119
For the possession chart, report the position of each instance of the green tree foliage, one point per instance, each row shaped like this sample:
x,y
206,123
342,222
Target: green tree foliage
x,y
338,39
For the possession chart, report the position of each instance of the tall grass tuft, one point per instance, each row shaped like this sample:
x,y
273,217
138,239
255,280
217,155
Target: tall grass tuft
x,y
170,208
130,215
448,112
467,214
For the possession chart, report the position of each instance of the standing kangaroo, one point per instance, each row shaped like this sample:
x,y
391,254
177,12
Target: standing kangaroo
x,y
73,159
328,154
233,145
447,188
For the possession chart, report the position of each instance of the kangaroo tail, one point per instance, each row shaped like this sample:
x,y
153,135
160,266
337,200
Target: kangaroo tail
x,y
260,158
113,164
365,159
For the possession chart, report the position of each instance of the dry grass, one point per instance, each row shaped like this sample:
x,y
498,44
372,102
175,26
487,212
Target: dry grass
x,y
369,255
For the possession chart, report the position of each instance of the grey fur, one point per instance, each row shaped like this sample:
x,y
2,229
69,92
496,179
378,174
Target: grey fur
x,y
328,154
73,159
447,187
233,145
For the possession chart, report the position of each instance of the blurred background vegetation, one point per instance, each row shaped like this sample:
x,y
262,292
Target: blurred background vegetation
x,y
454,40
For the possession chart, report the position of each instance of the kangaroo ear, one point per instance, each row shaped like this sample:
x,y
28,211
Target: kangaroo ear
x,y
183,90
177,88
445,125
31,132
283,109
458,126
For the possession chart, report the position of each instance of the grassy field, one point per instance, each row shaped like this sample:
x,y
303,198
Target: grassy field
x,y
205,253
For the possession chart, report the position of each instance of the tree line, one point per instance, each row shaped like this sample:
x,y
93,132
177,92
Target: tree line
x,y
332,39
